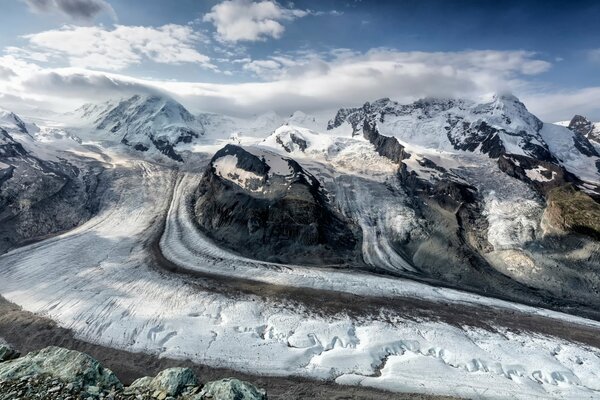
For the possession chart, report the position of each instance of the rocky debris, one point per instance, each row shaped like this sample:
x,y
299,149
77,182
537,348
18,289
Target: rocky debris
x,y
268,207
571,210
8,353
9,147
231,389
56,373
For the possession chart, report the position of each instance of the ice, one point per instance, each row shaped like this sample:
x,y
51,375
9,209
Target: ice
x,y
560,140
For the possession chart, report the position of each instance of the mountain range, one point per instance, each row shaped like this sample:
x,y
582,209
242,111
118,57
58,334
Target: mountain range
x,y
478,198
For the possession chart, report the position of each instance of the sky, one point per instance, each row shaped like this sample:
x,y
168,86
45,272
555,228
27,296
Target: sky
x,y
244,57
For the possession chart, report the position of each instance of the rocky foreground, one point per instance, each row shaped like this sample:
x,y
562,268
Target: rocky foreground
x,y
59,373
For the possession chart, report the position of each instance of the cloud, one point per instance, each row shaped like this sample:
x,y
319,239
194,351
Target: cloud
x,y
563,105
120,47
244,20
309,81
75,9
594,55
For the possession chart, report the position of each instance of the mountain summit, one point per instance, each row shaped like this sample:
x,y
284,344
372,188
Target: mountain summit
x,y
146,122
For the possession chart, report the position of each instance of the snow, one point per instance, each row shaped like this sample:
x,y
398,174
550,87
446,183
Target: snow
x,y
97,281
226,167
512,222
535,174
561,143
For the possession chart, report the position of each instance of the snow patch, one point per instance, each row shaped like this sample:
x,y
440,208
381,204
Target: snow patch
x,y
226,167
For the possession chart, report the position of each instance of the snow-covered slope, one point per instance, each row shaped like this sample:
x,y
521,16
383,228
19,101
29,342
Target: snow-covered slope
x,y
145,123
501,126
243,129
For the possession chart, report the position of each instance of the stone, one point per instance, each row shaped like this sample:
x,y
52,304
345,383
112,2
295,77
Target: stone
x,y
66,365
170,382
230,389
8,353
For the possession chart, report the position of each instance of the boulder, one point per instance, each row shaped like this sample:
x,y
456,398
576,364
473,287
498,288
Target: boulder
x,y
230,389
170,382
67,365
8,353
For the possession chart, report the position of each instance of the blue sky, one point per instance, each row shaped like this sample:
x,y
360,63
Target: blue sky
x,y
285,54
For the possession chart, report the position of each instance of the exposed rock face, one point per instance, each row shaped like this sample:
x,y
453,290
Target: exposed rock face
x,y
585,132
67,365
231,389
540,175
581,125
268,207
40,197
570,210
385,146
8,353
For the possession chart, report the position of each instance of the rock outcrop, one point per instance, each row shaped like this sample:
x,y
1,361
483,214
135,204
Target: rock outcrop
x,y
7,353
268,207
57,373
231,389
170,382
571,210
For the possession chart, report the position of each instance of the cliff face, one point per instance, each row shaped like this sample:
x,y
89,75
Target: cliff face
x,y
268,207
570,210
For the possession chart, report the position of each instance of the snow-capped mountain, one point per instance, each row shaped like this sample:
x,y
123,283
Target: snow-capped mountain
x,y
10,121
145,122
481,198
501,126
223,126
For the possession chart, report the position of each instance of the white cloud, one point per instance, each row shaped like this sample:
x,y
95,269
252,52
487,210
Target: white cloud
x,y
244,20
308,82
594,55
75,9
118,48
564,104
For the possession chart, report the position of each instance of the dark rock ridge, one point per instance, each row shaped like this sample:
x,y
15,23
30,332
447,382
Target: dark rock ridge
x,y
279,214
385,146
58,373
584,127
552,175
584,132
300,142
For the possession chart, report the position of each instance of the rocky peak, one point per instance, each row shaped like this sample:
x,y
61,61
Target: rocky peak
x,y
146,122
11,121
259,171
269,207
581,125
